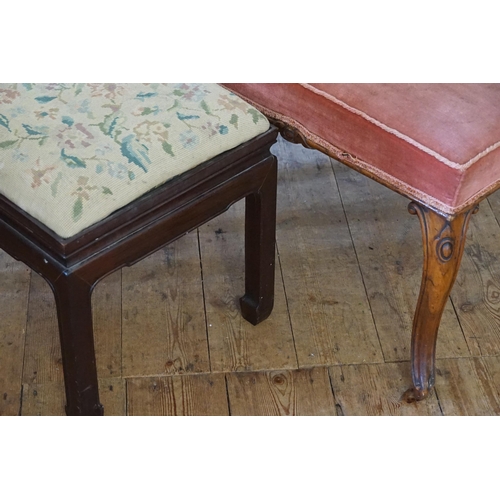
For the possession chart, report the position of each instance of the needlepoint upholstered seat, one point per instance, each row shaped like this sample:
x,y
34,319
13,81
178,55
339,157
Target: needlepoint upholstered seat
x,y
97,176
439,145
70,155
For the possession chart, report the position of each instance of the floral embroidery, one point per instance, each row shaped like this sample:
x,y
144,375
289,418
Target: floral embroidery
x,y
49,113
19,156
230,102
108,90
149,130
189,139
18,111
211,128
8,95
92,148
118,170
191,92
73,135
40,175
82,192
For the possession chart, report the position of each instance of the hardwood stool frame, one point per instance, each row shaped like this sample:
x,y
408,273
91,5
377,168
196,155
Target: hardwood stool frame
x,y
73,266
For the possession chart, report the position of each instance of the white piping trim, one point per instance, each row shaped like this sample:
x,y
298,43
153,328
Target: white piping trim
x,y
395,132
404,188
488,150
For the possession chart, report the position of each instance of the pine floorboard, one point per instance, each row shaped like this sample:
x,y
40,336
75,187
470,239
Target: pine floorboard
x,y
170,339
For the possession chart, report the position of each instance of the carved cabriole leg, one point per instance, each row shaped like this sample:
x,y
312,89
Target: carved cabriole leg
x,y
443,245
260,228
74,312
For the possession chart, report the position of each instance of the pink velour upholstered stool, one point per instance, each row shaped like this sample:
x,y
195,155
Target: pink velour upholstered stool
x,y
437,144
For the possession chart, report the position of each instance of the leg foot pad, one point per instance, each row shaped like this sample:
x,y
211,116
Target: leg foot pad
x,y
412,395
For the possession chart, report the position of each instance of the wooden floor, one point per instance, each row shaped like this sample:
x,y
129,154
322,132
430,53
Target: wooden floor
x,y
170,339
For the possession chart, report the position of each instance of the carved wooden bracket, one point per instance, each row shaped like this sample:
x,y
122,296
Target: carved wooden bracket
x,y
291,134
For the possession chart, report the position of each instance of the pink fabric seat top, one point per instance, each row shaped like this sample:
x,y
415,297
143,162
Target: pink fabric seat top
x,y
437,143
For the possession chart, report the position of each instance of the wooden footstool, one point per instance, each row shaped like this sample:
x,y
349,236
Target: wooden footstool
x,y
439,145
94,177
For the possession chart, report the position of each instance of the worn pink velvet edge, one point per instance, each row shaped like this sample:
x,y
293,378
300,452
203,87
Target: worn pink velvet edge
x,y
448,190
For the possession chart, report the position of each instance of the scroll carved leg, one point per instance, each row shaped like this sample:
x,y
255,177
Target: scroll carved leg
x,y
443,245
260,230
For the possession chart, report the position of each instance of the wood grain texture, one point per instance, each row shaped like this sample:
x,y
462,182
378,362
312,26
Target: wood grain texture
x,y
186,395
281,392
372,390
14,290
235,344
48,399
465,386
164,329
443,245
107,317
329,310
493,201
388,244
492,365
42,358
476,294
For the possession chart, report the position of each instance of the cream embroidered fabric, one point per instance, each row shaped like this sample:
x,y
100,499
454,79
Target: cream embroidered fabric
x,y
71,154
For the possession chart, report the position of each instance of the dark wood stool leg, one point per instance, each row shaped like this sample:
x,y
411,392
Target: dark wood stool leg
x,y
260,231
74,312
443,244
